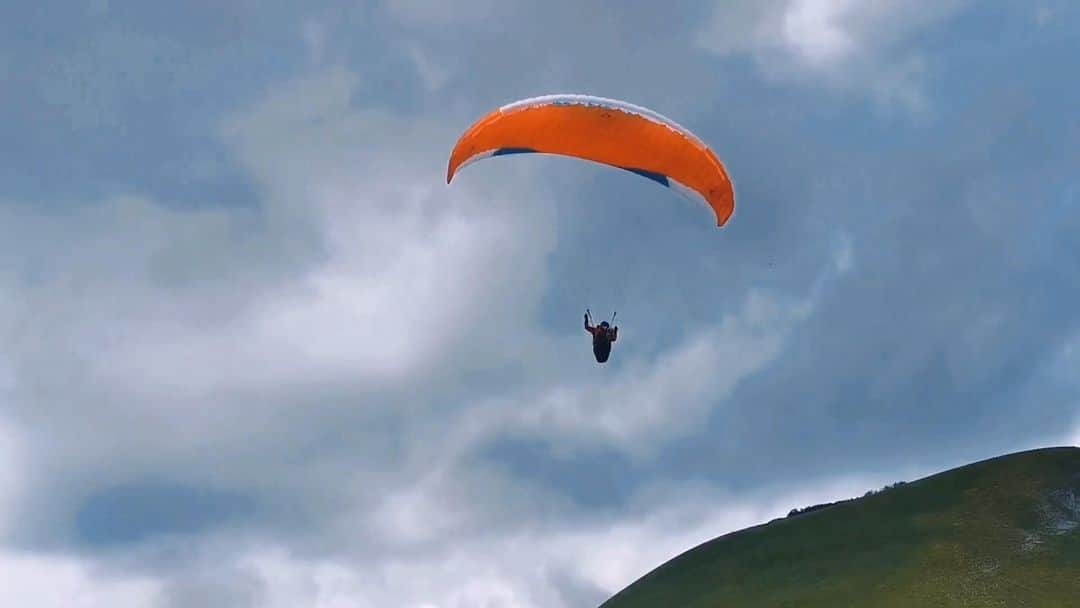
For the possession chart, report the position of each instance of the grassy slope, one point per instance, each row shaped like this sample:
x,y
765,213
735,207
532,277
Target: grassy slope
x,y
1001,532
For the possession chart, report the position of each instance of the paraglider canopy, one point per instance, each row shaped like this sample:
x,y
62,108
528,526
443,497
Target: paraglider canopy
x,y
607,131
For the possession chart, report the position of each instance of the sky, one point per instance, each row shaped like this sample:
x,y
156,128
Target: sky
x,y
254,351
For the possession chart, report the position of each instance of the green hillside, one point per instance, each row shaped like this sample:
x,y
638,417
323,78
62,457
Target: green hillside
x,y
1001,532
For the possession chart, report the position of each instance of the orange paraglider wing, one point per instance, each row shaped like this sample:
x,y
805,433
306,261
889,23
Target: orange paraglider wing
x,y
606,131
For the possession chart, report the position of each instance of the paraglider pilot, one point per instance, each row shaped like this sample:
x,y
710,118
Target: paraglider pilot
x,y
602,337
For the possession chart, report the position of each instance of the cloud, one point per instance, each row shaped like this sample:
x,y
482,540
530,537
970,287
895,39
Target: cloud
x,y
12,456
359,263
550,564
315,33
236,354
63,582
646,401
420,13
1050,12
197,335
841,44
217,334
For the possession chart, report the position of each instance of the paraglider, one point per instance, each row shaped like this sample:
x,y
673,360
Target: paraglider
x,y
606,131
602,337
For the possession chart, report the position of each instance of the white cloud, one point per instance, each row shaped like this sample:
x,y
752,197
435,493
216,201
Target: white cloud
x,y
841,44
812,29
205,344
545,564
658,399
1048,14
47,582
387,271
818,34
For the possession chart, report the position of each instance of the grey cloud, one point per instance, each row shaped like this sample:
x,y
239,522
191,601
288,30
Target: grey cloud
x,y
134,512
